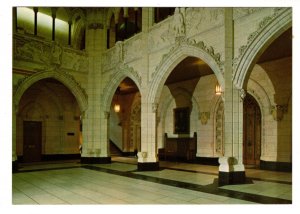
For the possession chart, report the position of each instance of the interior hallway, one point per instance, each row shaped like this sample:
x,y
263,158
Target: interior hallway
x,y
70,182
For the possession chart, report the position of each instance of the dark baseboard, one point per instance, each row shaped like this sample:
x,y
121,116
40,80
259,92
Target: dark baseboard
x,y
148,166
93,160
126,154
54,157
213,161
276,166
228,178
15,167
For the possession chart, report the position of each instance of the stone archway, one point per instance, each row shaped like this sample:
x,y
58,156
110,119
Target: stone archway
x,y
66,79
175,56
116,78
270,29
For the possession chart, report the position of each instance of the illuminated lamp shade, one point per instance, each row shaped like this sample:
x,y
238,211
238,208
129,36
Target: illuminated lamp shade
x,y
117,108
218,90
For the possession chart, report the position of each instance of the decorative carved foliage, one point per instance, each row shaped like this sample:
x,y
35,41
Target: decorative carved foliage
x,y
219,147
254,35
182,41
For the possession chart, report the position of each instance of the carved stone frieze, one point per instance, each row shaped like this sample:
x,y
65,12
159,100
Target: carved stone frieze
x,y
244,11
112,57
49,55
200,19
75,61
161,35
132,50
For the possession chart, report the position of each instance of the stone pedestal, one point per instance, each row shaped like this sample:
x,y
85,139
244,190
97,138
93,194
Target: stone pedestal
x,y
231,171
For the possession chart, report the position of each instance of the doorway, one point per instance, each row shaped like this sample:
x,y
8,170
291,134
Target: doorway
x,y
252,132
32,141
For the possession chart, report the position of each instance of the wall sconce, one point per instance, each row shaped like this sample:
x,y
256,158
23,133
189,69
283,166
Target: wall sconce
x,y
117,106
218,89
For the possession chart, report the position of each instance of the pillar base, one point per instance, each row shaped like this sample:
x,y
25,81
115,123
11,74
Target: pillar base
x,y
227,178
15,167
95,160
148,166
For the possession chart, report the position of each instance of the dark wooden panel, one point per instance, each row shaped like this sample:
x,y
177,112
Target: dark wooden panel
x,y
32,141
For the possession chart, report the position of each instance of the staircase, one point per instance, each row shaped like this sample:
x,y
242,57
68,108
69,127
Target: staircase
x,y
114,150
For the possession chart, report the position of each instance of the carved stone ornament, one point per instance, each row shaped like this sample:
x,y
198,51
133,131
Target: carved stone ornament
x,y
243,93
182,41
278,111
252,36
179,22
204,116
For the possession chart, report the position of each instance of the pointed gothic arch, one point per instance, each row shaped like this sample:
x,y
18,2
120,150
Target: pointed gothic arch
x,y
174,57
66,79
270,29
115,79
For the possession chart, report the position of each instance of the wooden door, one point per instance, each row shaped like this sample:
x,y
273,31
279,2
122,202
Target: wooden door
x,y
252,131
32,141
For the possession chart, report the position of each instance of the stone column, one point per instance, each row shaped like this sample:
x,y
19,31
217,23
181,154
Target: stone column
x,y
231,169
147,157
94,146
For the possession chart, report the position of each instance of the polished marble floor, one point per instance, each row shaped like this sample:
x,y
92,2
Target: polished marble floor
x,y
70,182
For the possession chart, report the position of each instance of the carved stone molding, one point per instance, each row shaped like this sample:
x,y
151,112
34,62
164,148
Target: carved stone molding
x,y
183,41
204,116
243,93
262,24
277,111
128,71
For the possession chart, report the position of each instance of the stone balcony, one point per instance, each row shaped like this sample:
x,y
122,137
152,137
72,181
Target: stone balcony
x,y
37,54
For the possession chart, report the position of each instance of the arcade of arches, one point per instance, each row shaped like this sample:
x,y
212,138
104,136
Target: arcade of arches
x,y
93,83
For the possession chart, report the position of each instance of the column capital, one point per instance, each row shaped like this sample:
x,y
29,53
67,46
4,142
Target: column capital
x,y
243,93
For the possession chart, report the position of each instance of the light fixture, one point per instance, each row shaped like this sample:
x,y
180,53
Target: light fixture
x,y
218,89
117,106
